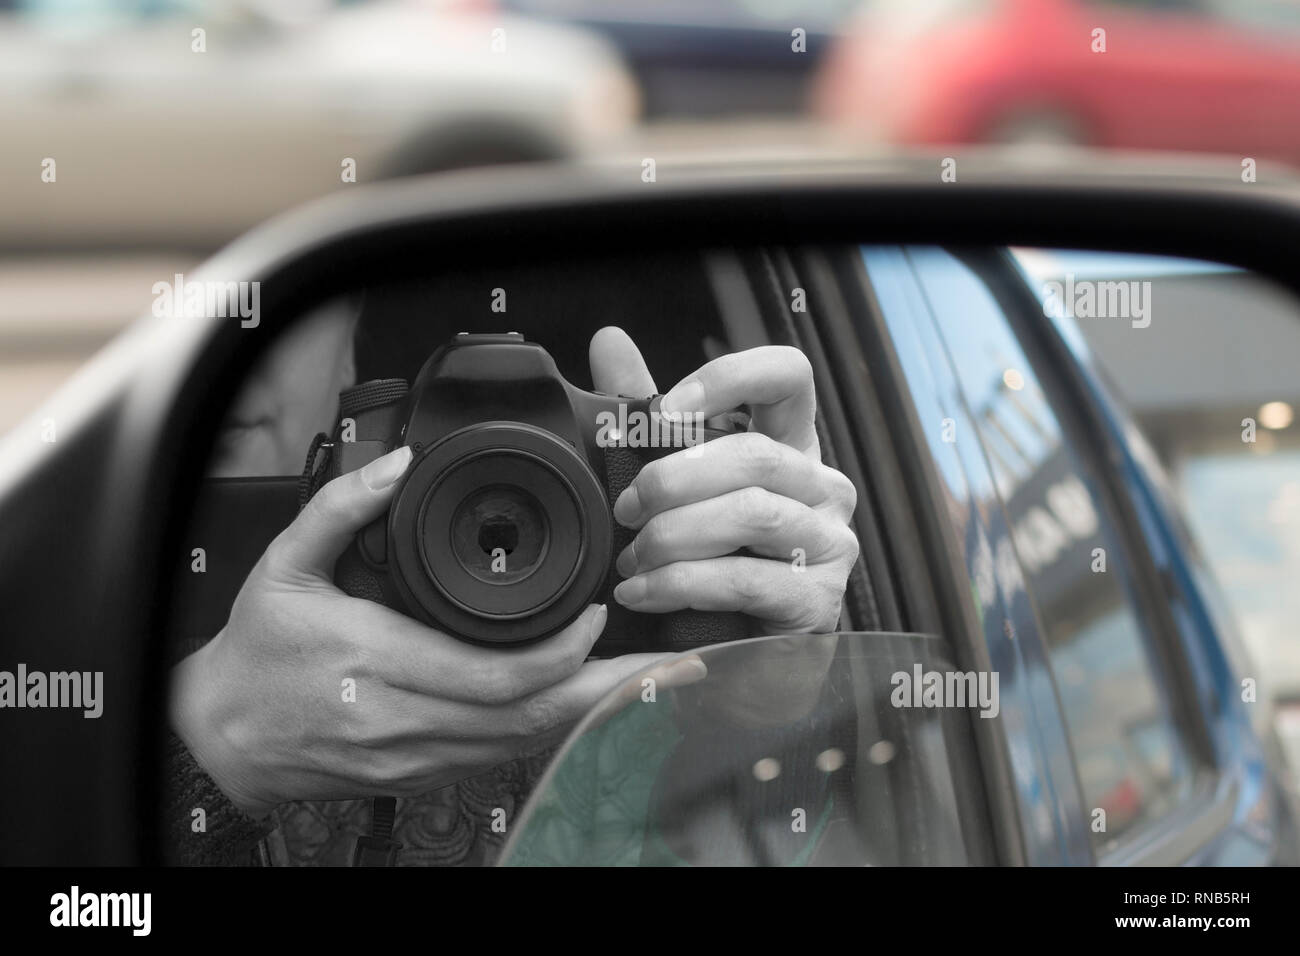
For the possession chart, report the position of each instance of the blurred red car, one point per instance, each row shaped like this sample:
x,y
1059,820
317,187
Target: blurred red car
x,y
1208,75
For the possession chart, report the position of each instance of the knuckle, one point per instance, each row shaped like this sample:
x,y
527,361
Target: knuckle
x,y
749,588
501,685
843,492
537,715
652,541
240,733
762,456
761,510
652,482
362,660
848,546
789,363
796,361
814,604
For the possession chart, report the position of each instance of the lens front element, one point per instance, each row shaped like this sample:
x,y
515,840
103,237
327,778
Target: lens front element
x,y
499,534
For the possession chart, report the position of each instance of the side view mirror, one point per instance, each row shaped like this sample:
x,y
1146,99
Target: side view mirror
x,y
1025,395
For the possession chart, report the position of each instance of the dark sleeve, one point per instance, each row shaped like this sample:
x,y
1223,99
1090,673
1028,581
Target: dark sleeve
x,y
228,837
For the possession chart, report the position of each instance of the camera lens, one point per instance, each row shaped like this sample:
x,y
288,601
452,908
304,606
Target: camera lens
x,y
499,534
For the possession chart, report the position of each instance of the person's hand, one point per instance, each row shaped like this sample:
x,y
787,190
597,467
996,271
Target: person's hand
x,y
765,490
308,693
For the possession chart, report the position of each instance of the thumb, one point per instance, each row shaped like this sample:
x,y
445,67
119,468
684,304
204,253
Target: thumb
x,y
617,367
333,516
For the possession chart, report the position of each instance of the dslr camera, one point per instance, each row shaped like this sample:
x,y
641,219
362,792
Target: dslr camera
x,y
502,531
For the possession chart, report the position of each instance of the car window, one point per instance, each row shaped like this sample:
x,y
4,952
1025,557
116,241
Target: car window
x,y
1133,763
1210,382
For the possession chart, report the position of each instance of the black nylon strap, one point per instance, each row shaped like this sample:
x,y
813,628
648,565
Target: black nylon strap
x,y
312,476
378,848
370,394
385,814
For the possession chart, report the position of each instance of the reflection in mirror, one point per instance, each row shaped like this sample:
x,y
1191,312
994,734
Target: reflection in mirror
x,y
453,516
842,770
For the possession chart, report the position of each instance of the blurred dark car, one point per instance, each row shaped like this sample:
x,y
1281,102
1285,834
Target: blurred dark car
x,y
710,57
1205,75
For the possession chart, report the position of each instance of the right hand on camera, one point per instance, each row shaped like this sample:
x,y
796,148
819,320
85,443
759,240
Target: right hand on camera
x,y
310,694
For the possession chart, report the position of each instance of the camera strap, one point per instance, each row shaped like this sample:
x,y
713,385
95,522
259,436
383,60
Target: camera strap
x,y
379,848
313,474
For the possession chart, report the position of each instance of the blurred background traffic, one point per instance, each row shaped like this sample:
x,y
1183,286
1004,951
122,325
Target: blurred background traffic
x,y
138,136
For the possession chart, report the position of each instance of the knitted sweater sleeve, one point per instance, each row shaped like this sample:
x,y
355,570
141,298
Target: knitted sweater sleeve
x,y
201,827
200,824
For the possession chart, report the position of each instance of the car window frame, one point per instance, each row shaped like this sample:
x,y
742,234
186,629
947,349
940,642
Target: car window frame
x,y
1206,811
918,556
1037,784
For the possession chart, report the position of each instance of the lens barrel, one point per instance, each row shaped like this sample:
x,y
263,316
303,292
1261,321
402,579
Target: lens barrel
x,y
501,533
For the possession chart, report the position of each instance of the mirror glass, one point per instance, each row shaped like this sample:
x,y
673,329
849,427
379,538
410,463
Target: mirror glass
x,y
1046,391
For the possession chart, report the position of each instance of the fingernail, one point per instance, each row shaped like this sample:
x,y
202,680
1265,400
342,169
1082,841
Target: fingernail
x,y
680,673
686,397
598,621
382,472
626,563
688,671
628,506
632,591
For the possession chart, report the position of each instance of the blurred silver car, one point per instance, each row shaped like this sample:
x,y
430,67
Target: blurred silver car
x,y
189,120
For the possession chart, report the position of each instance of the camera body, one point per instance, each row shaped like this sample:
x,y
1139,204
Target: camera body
x,y
501,531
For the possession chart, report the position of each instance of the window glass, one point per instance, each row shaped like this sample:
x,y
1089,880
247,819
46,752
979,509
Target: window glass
x,y
1210,379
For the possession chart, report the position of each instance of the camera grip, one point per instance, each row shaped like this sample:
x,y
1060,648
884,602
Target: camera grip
x,y
678,631
355,577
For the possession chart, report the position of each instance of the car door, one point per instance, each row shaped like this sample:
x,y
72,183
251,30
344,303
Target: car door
x,y
1139,736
